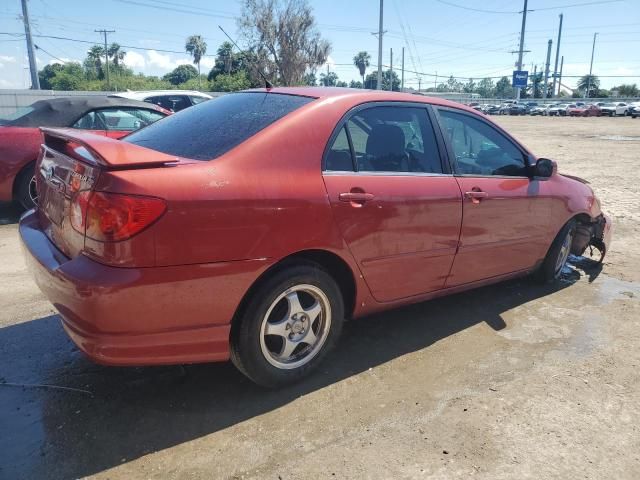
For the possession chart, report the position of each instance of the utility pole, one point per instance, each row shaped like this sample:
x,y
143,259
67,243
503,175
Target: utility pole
x,y
546,70
35,81
535,81
593,49
391,70
402,77
380,32
560,75
555,68
106,54
419,83
435,81
524,24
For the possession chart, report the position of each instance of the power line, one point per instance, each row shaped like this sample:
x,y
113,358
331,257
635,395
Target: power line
x,y
51,55
511,12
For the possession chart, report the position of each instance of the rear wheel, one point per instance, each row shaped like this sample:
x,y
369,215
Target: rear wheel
x,y
288,326
25,191
558,254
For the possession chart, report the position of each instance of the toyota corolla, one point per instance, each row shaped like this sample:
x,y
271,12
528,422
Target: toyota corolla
x,y
250,226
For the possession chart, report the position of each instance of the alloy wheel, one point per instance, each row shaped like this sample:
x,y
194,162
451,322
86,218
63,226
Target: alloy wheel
x,y
563,254
295,327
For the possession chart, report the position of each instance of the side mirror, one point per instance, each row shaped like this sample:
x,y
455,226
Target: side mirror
x,y
545,168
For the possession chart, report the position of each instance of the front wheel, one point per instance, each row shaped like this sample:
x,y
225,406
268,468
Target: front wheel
x,y
558,254
288,326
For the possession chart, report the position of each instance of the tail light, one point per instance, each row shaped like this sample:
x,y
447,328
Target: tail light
x,y
111,217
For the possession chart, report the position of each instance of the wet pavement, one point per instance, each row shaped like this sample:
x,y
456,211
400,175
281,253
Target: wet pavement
x,y
515,380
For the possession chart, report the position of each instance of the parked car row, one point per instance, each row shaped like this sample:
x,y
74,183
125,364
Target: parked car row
x,y
574,109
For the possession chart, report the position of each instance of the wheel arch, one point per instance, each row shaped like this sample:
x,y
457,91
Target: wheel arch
x,y
331,262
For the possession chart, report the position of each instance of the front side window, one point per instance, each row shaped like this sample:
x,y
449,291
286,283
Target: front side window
x,y
388,139
479,148
117,119
212,128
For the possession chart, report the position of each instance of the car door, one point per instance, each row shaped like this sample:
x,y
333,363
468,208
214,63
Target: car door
x,y
393,197
506,214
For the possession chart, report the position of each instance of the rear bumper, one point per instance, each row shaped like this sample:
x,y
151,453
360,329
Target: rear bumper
x,y
139,316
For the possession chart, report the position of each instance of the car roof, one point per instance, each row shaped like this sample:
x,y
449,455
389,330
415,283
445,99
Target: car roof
x,y
63,111
359,95
142,94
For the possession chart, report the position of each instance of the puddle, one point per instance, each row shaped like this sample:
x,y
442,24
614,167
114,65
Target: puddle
x,y
615,138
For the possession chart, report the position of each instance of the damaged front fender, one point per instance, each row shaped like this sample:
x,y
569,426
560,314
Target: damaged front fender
x,y
595,233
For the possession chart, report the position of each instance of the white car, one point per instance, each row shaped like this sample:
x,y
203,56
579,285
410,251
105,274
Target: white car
x,y
557,110
174,100
613,109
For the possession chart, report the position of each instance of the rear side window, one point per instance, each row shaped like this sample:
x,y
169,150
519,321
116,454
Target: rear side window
x,y
212,128
387,139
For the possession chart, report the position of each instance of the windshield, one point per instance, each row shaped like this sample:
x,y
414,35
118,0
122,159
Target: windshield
x,y
19,113
212,128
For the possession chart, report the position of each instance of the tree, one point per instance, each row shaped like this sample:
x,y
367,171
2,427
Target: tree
x,y
181,74
116,54
486,88
230,82
197,48
283,36
590,82
390,80
504,88
362,60
627,90
469,87
57,76
355,84
93,62
328,79
454,85
309,79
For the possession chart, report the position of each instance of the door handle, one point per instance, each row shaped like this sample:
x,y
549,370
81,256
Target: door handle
x,y
355,197
476,195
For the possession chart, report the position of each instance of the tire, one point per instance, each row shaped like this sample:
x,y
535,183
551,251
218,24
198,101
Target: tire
x,y
556,258
284,356
25,192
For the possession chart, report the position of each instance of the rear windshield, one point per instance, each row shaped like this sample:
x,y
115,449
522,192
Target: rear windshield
x,y
212,128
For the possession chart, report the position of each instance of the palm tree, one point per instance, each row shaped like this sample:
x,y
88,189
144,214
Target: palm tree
x,y
94,57
590,83
362,61
196,47
116,53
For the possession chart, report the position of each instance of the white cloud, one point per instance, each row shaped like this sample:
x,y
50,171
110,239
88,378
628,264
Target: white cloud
x,y
8,59
135,60
207,63
164,61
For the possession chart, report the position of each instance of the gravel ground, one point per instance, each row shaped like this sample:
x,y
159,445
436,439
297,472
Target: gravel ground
x,y
509,381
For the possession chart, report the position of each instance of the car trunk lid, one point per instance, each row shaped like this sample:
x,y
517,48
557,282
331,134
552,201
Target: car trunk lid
x,y
71,162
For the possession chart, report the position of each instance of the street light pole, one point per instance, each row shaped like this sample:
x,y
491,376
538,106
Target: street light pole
x,y
546,70
593,49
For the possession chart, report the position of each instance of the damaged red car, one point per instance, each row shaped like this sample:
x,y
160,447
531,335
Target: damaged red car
x,y
251,226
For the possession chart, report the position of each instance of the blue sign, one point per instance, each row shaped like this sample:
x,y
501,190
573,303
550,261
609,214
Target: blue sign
x,y
520,78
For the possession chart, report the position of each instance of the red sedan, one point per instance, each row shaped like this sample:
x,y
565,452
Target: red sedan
x,y
584,111
20,137
248,227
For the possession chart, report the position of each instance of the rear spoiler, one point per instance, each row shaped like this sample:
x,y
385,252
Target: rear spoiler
x,y
104,151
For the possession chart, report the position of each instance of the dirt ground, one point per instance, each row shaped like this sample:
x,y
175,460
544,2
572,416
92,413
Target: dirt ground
x,y
510,381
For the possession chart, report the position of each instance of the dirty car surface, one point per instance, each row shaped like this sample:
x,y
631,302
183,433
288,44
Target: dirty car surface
x,y
248,227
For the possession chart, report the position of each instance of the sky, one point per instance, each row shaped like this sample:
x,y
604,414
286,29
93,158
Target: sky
x,y
465,38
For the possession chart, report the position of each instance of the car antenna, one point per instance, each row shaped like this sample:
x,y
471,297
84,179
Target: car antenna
x,y
268,85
